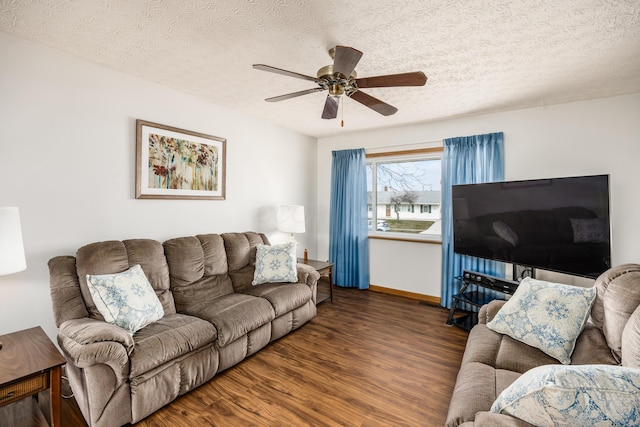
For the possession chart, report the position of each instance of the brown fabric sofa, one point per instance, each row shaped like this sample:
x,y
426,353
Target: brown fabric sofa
x,y
213,318
493,361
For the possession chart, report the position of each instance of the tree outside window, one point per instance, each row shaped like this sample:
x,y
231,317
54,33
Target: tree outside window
x,y
407,193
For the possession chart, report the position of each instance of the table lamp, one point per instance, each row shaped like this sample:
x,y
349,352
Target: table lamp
x,y
290,219
12,257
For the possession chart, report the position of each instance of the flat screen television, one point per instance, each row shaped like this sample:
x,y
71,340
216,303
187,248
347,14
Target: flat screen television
x,y
557,224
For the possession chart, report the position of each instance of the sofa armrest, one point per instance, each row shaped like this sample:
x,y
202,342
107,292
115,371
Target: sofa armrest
x,y
307,275
488,311
87,342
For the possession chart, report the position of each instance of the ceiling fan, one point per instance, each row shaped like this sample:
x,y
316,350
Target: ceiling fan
x,y
340,79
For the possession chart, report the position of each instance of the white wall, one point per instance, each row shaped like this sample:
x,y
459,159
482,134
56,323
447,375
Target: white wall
x,y
591,137
67,160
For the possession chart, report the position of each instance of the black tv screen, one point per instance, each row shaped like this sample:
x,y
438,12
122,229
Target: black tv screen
x,y
557,224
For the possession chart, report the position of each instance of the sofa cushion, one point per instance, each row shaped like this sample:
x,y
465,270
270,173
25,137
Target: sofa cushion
x,y
66,295
185,257
618,297
241,248
199,270
172,336
234,315
114,257
497,420
585,395
483,346
591,348
284,297
516,356
150,255
242,278
241,255
476,389
125,299
276,263
215,255
631,341
479,382
545,315
99,258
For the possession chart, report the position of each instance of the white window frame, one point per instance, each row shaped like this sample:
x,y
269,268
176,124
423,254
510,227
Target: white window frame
x,y
385,157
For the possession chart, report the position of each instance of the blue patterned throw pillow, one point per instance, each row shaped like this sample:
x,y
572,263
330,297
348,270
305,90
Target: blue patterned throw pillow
x,y
275,263
125,299
545,315
581,395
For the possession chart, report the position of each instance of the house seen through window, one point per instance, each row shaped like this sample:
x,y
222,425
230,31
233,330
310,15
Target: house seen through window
x,y
407,193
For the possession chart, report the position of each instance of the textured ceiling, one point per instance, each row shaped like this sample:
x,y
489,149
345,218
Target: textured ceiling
x,y
479,55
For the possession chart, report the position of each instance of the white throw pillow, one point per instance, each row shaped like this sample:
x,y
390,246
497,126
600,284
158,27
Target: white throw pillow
x,y
275,263
545,315
581,395
125,299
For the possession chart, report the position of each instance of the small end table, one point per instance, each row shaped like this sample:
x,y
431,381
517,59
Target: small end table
x,y
29,364
325,268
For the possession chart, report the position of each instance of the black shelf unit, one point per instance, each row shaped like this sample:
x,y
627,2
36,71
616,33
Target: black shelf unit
x,y
474,294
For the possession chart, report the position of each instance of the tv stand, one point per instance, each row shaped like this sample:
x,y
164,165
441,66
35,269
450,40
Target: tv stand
x,y
519,272
477,290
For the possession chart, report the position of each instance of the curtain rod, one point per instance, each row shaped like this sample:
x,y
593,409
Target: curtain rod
x,y
399,147
405,152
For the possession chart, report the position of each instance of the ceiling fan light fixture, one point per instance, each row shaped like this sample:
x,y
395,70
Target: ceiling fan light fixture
x,y
336,89
340,79
327,73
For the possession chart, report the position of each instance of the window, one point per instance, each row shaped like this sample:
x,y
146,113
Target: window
x,y
406,200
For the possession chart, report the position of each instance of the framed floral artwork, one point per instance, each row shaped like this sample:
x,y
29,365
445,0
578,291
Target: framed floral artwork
x,y
174,163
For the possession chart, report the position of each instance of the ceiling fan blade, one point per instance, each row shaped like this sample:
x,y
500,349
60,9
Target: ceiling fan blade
x,y
330,110
293,95
345,60
283,72
416,78
373,103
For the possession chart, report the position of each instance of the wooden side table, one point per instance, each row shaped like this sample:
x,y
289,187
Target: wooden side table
x,y
29,364
325,268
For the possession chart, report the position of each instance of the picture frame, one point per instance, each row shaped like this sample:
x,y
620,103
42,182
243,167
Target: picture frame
x,y
173,163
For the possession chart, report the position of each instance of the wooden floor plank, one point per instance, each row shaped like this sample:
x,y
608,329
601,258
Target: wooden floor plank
x,y
367,360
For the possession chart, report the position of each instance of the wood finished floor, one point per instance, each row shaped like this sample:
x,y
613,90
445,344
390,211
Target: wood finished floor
x,y
367,359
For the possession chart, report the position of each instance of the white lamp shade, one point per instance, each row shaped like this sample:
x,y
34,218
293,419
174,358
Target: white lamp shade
x,y
12,257
290,219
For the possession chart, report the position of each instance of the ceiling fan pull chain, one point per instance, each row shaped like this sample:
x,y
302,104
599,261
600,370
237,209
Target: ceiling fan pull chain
x,y
342,113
